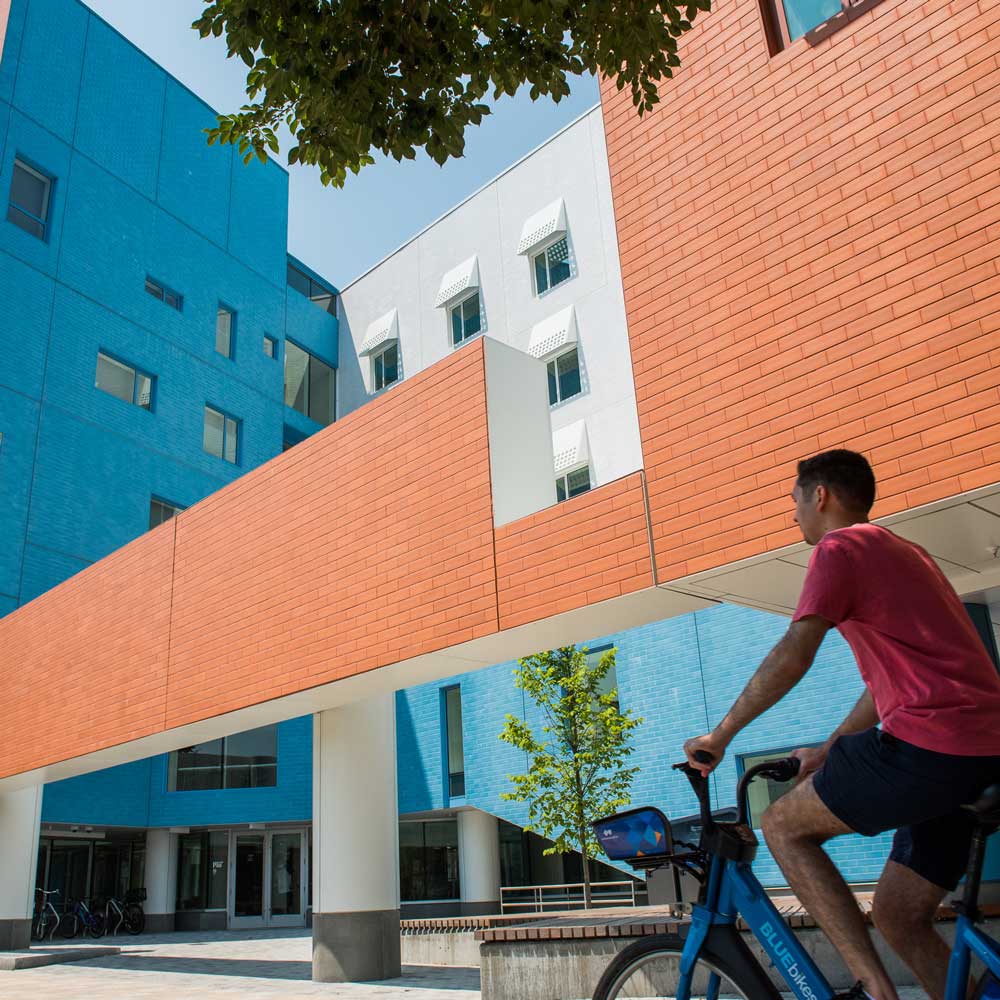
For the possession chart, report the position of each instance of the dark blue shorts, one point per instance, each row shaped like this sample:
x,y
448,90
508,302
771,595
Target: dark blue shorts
x,y
874,782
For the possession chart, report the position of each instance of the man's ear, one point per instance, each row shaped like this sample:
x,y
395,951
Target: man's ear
x,y
822,497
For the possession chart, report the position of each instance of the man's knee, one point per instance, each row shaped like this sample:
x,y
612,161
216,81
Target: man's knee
x,y
900,919
780,825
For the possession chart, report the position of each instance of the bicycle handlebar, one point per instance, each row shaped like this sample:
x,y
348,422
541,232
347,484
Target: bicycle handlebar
x,y
782,770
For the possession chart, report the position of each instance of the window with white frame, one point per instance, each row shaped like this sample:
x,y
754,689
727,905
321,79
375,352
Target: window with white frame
x,y
551,266
385,366
222,435
573,483
123,381
466,320
30,193
564,376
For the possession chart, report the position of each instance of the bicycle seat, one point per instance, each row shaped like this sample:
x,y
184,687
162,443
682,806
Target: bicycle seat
x,y
987,806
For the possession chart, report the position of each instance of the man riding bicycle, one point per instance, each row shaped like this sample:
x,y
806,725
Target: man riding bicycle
x,y
928,680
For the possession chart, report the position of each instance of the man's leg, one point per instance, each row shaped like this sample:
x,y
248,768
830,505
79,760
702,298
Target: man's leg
x,y
795,827
904,908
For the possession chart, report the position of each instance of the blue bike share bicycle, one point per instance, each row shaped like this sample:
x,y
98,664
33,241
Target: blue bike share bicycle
x,y
709,960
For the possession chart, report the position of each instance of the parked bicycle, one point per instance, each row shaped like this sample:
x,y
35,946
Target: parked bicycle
x,y
709,959
46,918
125,914
80,919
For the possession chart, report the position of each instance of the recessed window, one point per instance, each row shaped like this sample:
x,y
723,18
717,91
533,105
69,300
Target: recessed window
x,y
160,511
30,193
308,286
552,266
466,320
119,379
609,682
225,329
164,294
428,860
764,791
222,435
310,386
573,484
246,760
385,367
453,738
788,20
564,376
270,347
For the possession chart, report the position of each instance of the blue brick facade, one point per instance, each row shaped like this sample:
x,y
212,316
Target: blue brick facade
x,y
136,192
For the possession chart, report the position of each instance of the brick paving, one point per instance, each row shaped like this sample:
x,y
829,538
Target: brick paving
x,y
185,966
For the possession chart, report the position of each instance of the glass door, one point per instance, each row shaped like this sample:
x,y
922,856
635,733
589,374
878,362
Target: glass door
x,y
246,881
287,879
267,879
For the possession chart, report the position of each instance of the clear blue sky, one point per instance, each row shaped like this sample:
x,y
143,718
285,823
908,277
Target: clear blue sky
x,y
341,233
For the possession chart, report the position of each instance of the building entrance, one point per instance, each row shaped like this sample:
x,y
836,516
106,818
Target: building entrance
x,y
267,878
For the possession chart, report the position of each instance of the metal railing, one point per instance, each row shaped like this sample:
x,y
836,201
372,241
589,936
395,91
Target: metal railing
x,y
569,896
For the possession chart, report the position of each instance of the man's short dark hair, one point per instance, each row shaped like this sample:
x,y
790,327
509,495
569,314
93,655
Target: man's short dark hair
x,y
843,472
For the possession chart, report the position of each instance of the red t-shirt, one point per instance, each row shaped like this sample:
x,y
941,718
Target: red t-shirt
x,y
933,682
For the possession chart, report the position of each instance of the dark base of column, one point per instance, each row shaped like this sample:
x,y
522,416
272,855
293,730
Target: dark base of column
x,y
487,909
160,923
356,947
15,935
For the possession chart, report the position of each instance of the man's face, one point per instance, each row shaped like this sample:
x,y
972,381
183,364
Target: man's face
x,y
806,514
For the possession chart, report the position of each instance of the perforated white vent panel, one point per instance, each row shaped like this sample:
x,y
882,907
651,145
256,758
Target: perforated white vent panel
x,y
550,221
458,280
384,330
570,447
553,334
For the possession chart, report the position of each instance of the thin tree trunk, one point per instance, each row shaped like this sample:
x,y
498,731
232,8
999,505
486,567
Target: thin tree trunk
x,y
588,901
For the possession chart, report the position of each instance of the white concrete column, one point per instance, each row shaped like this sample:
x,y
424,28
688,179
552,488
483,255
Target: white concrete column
x,y
479,862
20,818
161,880
355,843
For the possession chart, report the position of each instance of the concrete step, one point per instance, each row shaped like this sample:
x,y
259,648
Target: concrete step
x,y
39,955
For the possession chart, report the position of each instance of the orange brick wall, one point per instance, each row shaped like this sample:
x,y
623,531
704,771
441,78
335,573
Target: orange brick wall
x,y
810,249
591,548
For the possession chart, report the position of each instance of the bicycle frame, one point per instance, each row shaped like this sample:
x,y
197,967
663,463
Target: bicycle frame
x,y
734,891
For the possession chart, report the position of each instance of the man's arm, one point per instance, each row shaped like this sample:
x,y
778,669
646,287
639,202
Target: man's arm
x,y
781,670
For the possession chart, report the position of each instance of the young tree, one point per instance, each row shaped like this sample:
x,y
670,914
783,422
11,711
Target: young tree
x,y
576,771
349,76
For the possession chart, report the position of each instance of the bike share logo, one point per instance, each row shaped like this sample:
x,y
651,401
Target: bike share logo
x,y
784,956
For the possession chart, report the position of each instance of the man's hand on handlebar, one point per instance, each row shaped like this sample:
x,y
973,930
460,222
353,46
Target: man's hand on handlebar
x,y
811,759
709,748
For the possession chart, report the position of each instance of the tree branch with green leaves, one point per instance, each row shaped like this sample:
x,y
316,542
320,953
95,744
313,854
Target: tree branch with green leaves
x,y
347,77
576,761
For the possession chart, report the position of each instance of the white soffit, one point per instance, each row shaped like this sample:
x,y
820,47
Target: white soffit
x,y
458,280
383,331
570,447
550,221
554,333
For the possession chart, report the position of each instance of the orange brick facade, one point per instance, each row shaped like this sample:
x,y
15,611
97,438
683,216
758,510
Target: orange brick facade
x,y
809,249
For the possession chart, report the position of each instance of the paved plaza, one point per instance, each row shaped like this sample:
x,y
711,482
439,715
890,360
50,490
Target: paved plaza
x,y
197,964
272,963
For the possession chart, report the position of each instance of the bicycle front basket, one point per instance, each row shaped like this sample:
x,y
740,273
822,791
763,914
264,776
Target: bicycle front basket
x,y
640,837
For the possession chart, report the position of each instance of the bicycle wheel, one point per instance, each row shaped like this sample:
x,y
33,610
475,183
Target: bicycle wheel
x,y
135,920
69,925
649,969
39,927
95,926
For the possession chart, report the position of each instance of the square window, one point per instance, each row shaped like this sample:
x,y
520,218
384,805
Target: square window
x,y
552,266
270,347
385,367
573,484
221,435
124,382
466,320
30,192
225,326
564,376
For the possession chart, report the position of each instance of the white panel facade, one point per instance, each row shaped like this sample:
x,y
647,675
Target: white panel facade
x,y
570,170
